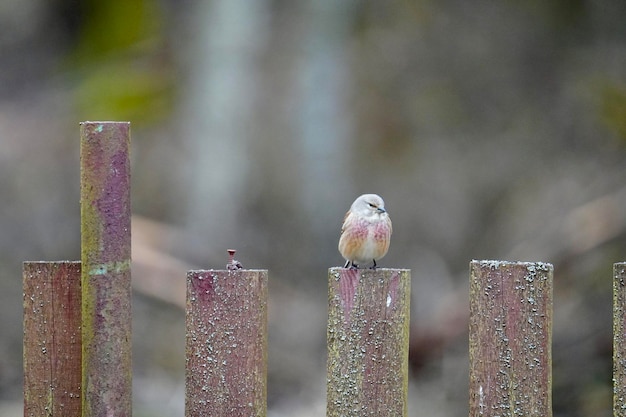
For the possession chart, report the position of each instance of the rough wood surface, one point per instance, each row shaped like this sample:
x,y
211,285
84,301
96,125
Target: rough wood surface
x,y
368,342
510,339
619,339
105,256
52,340
226,343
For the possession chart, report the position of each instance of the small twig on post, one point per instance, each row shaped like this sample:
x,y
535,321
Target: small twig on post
x,y
510,338
368,342
105,256
619,339
52,339
226,343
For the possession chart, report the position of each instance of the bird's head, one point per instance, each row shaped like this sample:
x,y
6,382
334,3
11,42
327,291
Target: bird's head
x,y
369,205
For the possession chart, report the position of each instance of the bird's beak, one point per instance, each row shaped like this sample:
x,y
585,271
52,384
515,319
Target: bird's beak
x,y
381,210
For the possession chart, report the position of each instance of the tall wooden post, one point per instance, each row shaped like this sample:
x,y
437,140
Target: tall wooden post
x,y
619,339
368,342
52,339
226,343
510,339
105,256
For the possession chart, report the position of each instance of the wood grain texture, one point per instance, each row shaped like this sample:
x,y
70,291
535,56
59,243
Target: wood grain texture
x,y
52,339
510,339
368,342
105,256
226,343
619,339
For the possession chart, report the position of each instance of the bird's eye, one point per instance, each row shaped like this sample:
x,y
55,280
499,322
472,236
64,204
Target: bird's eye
x,y
372,205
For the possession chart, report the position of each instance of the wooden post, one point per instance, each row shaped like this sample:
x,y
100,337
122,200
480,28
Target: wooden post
x,y
510,339
619,339
105,255
52,340
368,342
226,343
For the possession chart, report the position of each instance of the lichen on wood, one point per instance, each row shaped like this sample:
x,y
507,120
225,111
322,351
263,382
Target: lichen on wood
x,y
510,339
368,341
226,343
105,256
619,339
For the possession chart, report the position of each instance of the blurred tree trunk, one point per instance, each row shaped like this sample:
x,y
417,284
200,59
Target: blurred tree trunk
x,y
324,117
222,89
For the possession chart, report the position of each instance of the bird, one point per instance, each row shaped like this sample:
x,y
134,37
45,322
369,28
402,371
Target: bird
x,y
366,232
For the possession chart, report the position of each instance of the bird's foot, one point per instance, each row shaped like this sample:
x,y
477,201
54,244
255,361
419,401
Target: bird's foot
x,y
351,265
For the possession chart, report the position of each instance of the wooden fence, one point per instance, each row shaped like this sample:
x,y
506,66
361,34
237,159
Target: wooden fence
x,y
77,324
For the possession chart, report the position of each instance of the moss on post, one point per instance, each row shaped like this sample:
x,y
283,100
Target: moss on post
x,y
105,256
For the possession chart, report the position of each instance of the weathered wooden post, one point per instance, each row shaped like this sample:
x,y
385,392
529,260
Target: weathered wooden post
x,y
226,343
619,339
52,339
510,339
368,342
105,256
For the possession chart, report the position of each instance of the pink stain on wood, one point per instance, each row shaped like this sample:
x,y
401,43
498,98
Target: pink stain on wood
x,y
348,283
368,342
510,337
226,343
392,292
106,291
114,206
204,286
105,164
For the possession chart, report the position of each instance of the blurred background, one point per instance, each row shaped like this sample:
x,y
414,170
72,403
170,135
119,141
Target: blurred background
x,y
493,130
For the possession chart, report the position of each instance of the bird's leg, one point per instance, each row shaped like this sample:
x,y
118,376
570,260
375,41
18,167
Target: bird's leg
x,y
351,265
374,266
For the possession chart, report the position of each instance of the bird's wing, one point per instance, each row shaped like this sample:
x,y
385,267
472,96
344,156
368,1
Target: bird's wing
x,y
345,221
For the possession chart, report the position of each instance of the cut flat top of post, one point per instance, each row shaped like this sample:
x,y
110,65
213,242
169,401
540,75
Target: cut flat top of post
x,y
497,264
43,263
197,271
368,270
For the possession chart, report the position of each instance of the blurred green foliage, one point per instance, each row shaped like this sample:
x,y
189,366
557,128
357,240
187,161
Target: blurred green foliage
x,y
613,108
121,59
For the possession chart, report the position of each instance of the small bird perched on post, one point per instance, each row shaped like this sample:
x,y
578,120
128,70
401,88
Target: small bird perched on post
x,y
366,231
